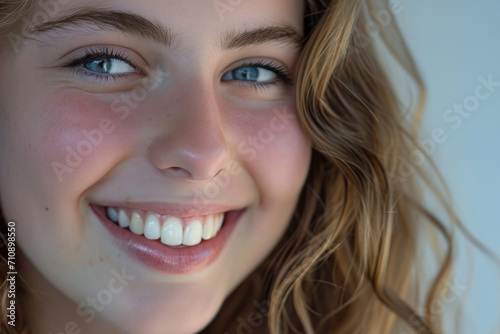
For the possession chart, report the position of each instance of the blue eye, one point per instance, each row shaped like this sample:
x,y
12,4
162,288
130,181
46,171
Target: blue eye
x,y
259,73
108,65
250,73
103,64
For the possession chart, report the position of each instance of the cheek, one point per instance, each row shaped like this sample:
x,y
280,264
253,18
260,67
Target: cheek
x,y
276,152
78,135
52,150
273,149
74,140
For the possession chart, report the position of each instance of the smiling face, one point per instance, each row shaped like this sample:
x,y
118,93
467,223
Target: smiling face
x,y
130,132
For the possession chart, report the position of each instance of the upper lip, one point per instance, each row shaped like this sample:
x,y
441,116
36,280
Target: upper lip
x,y
181,210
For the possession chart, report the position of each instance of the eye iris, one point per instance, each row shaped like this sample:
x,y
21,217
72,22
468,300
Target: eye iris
x,y
247,73
99,65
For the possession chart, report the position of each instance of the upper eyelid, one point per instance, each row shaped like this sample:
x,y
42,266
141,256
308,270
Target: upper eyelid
x,y
78,60
133,58
257,61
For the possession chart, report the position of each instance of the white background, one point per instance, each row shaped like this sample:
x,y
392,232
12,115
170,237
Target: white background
x,y
454,42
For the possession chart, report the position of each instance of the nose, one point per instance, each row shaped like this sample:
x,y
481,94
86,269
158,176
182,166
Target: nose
x,y
193,145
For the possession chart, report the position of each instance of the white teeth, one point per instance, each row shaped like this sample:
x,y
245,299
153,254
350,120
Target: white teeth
x,y
112,214
209,228
136,224
123,220
152,227
171,232
218,224
193,233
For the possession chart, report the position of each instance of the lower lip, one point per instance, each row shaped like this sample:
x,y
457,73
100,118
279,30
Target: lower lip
x,y
154,254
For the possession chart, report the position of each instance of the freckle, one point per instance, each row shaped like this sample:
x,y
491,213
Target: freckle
x,y
118,255
46,209
90,262
100,258
29,146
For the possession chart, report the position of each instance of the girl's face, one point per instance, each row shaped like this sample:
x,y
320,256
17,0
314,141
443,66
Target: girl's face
x,y
169,117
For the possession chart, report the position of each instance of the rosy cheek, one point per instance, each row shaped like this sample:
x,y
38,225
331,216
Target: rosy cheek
x,y
76,136
275,150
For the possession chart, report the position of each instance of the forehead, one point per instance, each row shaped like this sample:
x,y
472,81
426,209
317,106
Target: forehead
x,y
204,17
190,25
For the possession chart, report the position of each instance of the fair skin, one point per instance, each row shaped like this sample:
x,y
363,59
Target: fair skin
x,y
189,117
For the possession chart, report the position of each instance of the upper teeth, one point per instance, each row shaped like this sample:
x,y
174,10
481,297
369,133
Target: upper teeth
x,y
170,230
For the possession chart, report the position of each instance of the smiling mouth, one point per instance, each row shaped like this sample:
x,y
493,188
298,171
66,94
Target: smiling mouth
x,y
168,237
172,231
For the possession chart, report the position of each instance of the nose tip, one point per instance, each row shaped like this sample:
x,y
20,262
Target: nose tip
x,y
195,152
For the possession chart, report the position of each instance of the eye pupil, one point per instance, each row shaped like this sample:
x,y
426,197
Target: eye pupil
x,y
100,65
106,65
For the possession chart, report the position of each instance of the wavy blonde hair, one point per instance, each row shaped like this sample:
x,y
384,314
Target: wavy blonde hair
x,y
348,262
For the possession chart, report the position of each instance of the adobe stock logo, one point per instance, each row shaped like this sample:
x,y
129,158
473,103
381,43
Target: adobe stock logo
x,y
47,9
453,118
91,139
225,6
96,303
249,149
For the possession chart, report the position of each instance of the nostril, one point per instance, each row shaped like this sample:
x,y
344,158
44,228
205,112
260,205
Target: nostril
x,y
178,171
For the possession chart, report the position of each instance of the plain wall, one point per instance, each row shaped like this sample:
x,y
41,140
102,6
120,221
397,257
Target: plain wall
x,y
455,43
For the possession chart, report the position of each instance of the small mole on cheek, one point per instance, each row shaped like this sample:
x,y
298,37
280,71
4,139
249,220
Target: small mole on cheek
x,y
29,146
100,258
46,208
118,255
91,263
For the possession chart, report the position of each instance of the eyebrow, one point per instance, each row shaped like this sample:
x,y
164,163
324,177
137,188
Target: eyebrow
x,y
128,23
141,27
262,35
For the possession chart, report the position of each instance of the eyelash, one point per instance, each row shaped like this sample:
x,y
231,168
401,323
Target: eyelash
x,y
75,64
